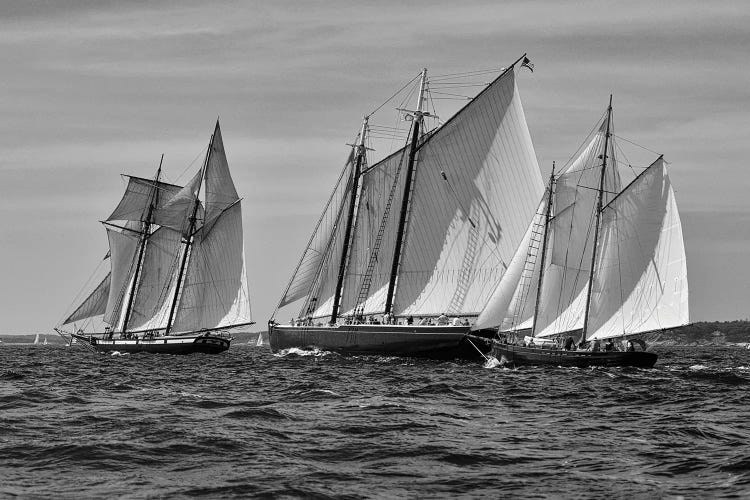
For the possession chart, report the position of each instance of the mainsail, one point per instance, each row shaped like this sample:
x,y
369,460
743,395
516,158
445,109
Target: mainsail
x,y
176,259
639,279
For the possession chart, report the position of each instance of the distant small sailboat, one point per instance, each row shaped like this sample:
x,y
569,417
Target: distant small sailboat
x,y
45,341
599,262
177,282
36,339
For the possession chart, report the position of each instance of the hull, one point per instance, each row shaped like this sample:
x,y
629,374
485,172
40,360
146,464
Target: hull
x,y
520,356
437,342
184,344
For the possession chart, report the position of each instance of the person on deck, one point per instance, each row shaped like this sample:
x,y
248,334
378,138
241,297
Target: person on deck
x,y
596,346
456,321
609,345
569,343
442,319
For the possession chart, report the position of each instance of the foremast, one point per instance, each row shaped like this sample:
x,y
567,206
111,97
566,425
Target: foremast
x,y
192,221
417,122
355,175
145,233
599,208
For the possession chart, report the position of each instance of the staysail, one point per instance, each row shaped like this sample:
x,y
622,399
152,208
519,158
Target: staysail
x,y
93,305
122,248
477,184
322,237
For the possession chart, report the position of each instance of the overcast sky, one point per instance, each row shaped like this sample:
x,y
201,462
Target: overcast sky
x,y
92,89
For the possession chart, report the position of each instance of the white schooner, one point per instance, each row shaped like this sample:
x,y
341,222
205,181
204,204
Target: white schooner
x,y
177,281
410,248
601,261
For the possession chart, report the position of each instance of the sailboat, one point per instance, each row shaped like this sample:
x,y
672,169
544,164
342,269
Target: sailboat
x,y
601,264
177,281
409,248
36,339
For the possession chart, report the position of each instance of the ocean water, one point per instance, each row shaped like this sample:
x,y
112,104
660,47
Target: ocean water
x,y
248,423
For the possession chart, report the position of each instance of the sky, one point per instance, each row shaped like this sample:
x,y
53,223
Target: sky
x,y
92,89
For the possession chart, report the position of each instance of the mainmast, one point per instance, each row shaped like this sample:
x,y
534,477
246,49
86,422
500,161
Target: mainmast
x,y
361,151
145,233
418,119
545,241
189,238
599,203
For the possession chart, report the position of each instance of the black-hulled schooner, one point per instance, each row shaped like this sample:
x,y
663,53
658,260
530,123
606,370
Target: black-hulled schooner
x,y
600,262
410,248
177,281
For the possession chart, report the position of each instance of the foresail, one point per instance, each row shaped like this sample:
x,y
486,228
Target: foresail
x,y
310,264
512,303
135,202
215,292
156,281
477,185
640,283
122,248
94,305
571,239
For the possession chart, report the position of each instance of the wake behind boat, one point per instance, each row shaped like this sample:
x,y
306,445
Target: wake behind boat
x,y
409,249
177,282
599,262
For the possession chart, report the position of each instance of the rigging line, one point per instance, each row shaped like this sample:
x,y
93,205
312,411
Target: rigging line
x,y
637,145
586,139
395,94
467,73
200,154
453,95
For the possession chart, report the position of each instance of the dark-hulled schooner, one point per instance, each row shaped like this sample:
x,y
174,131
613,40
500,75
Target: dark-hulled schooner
x,y
177,282
410,248
600,262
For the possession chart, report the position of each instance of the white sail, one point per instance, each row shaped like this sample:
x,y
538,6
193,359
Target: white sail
x,y
310,264
122,248
640,282
465,226
135,202
512,303
377,183
215,292
174,212
156,281
95,304
571,238
219,187
320,301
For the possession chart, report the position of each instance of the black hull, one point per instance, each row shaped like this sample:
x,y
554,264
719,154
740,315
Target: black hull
x,y
434,342
205,343
520,356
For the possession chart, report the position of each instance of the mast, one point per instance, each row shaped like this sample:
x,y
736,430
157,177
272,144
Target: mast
x,y
545,241
145,233
418,119
350,219
600,196
189,239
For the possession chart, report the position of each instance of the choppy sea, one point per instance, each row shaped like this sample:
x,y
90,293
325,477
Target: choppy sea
x,y
248,423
